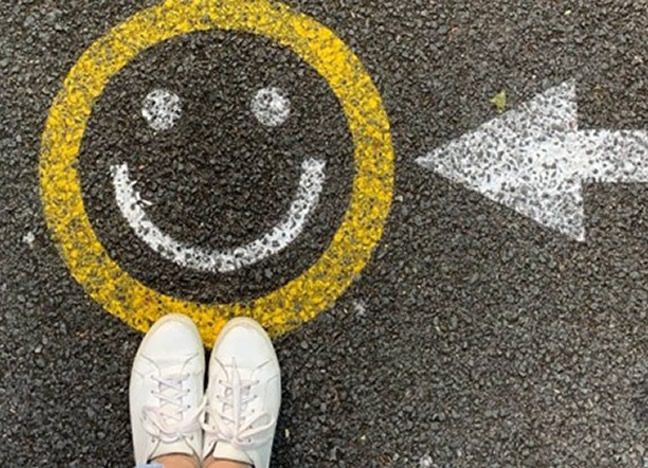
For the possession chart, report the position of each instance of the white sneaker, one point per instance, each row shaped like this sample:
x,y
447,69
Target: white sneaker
x,y
243,395
166,390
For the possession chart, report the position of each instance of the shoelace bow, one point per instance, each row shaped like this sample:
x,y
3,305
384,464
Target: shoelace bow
x,y
238,426
171,420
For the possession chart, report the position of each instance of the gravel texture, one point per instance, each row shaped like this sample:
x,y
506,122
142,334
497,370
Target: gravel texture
x,y
474,337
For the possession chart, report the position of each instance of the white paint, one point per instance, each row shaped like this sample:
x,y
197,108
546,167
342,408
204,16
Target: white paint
x,y
270,106
426,461
535,160
29,238
278,238
161,109
360,308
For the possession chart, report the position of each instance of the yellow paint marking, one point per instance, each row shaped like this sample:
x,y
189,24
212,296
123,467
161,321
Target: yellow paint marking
x,y
302,298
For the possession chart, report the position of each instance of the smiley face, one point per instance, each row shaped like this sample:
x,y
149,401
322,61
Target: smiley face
x,y
227,177
194,147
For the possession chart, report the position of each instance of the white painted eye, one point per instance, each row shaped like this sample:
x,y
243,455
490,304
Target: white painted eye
x,y
161,109
270,106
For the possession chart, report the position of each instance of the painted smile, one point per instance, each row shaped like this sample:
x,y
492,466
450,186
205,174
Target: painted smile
x,y
161,109
132,207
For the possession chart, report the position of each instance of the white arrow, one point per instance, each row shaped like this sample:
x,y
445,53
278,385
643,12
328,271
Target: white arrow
x,y
535,160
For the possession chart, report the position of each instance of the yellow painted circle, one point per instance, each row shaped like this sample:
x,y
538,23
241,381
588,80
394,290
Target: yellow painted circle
x,y
302,298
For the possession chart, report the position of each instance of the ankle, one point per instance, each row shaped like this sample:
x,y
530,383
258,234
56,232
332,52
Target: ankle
x,y
211,462
177,460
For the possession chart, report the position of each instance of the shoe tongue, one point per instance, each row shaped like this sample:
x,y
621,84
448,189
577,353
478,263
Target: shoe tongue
x,y
225,451
245,373
171,367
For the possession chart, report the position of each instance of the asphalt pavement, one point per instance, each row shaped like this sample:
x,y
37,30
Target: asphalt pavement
x,y
474,336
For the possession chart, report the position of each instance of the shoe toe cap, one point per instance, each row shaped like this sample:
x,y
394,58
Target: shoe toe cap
x,y
174,340
248,345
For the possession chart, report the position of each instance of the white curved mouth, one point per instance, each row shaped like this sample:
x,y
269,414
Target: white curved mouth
x,y
276,239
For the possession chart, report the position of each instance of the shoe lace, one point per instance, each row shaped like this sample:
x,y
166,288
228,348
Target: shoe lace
x,y
171,420
230,419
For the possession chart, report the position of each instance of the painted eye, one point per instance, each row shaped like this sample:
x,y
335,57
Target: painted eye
x,y
270,106
161,109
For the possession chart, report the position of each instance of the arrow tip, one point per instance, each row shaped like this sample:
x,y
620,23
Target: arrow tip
x,y
504,160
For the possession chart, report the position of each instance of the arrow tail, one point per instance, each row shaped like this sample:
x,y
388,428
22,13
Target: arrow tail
x,y
611,156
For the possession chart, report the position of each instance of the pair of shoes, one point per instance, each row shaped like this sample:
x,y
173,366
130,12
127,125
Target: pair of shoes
x,y
234,419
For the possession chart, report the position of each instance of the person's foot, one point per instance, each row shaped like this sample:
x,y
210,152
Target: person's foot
x,y
166,391
243,395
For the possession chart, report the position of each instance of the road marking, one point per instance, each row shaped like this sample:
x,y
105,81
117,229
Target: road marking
x,y
270,106
426,461
29,238
161,109
302,298
197,258
534,159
